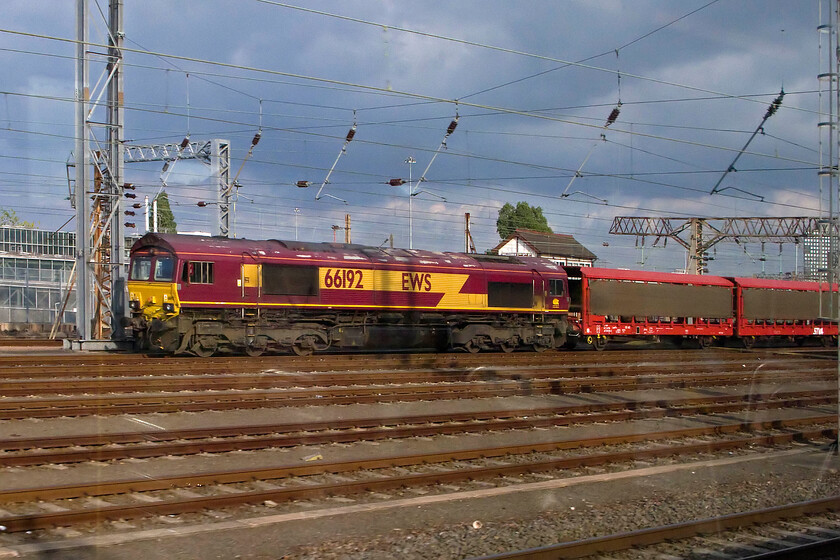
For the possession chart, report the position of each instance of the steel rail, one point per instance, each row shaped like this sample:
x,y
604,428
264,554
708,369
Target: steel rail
x,y
348,431
25,522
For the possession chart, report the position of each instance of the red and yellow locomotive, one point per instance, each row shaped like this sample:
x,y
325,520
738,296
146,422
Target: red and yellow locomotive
x,y
200,295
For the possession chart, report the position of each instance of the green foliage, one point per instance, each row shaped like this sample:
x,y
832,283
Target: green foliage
x,y
166,219
522,216
10,218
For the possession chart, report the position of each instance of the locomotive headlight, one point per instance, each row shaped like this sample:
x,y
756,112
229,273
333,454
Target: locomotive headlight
x,y
169,307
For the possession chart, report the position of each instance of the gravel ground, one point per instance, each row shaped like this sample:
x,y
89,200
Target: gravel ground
x,y
478,539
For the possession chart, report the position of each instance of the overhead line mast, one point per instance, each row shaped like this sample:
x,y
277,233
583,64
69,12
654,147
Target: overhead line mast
x,y
100,238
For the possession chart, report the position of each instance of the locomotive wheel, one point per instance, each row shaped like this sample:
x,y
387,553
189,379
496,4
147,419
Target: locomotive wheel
x,y
472,347
301,350
254,351
202,351
507,346
540,348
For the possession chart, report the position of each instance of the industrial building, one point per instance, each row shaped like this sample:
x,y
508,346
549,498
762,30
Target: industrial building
x,y
35,274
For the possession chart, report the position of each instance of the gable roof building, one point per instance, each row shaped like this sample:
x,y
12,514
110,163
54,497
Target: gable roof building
x,y
560,248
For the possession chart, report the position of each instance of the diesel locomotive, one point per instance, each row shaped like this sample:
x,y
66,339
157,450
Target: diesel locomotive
x,y
201,295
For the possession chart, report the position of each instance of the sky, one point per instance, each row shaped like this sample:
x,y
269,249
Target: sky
x,y
530,83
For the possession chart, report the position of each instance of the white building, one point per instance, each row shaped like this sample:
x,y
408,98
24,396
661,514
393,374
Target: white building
x,y
557,247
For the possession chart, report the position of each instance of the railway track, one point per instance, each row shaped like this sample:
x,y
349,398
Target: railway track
x,y
65,504
197,400
19,452
559,421
116,364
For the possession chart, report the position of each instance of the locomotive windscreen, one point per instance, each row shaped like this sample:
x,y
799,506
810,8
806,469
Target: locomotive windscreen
x,y
764,304
642,299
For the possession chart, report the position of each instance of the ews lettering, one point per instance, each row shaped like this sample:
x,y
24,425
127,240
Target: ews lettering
x,y
416,282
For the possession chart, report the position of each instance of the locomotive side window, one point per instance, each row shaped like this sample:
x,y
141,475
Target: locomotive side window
x,y
164,269
282,280
510,294
197,272
556,287
141,268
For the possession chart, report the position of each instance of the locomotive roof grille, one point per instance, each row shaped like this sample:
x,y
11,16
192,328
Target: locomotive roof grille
x,y
496,258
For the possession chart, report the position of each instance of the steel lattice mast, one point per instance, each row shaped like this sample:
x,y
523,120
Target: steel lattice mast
x,y
98,154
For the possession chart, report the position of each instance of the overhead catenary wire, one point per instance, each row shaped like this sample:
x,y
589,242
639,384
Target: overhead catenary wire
x,y
488,159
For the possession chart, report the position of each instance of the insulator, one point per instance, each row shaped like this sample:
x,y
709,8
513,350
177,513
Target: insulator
x,y
129,186
128,213
302,184
201,204
185,142
452,126
396,182
130,195
771,110
350,135
613,116
137,205
129,224
256,139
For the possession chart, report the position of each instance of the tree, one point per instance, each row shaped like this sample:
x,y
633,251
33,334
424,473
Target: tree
x,y
166,219
523,216
10,218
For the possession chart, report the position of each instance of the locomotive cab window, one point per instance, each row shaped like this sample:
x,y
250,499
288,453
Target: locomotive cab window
x,y
164,269
556,287
197,272
141,268
282,280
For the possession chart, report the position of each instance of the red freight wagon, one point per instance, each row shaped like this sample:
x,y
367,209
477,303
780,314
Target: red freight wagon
x,y
623,303
794,309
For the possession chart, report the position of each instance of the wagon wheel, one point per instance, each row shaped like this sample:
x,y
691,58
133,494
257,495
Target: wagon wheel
x,y
202,351
748,342
599,342
704,341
